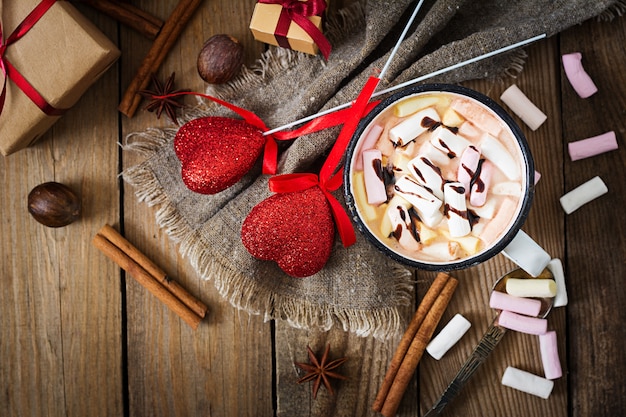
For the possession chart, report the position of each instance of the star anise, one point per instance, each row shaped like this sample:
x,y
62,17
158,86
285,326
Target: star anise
x,y
163,97
320,371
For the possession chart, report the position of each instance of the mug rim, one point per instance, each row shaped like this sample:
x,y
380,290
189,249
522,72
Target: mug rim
x,y
527,195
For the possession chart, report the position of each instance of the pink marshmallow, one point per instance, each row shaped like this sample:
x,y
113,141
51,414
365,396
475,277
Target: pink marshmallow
x,y
369,142
524,324
373,177
592,146
550,355
503,301
537,177
578,78
467,166
478,194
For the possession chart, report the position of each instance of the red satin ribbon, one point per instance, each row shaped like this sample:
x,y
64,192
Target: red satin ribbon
x,y
270,153
9,70
331,174
298,12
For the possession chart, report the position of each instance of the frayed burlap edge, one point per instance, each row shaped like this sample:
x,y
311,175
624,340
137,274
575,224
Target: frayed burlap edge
x,y
379,323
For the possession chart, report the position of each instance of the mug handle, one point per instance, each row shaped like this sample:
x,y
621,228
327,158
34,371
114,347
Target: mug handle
x,y
527,254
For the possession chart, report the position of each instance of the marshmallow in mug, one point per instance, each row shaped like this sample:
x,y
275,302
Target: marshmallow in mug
x,y
423,140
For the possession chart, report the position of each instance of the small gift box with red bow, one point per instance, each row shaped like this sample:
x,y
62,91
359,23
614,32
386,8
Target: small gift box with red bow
x,y
292,24
50,55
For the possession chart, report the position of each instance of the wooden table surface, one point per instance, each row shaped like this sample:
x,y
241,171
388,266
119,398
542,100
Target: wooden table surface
x,y
79,338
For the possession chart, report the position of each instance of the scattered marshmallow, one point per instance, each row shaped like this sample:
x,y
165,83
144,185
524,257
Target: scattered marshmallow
x,y
373,176
418,195
503,301
523,107
410,128
521,287
577,76
521,323
550,355
537,177
428,174
456,209
497,153
592,146
369,142
527,253
527,382
478,193
448,336
583,194
556,267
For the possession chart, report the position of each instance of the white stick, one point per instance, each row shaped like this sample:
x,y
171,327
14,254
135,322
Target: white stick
x,y
413,81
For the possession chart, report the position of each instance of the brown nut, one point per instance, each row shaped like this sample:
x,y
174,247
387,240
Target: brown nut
x,y
53,204
220,59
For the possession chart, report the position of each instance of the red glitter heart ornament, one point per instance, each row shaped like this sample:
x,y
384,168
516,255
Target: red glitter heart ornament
x,y
296,230
216,152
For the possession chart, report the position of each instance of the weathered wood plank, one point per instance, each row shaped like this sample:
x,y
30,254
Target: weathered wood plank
x,y
223,368
595,233
60,339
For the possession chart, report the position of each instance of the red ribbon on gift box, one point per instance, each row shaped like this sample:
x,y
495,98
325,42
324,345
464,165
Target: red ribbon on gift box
x,y
9,70
298,12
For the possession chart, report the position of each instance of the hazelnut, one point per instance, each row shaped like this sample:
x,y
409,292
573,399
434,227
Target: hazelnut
x,y
220,59
53,204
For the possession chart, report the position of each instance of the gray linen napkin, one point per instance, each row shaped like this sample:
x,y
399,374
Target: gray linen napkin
x,y
359,288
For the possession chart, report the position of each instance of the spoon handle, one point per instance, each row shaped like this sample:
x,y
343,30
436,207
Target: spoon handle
x,y
486,345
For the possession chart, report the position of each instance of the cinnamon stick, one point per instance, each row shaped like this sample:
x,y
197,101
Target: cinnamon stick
x,y
146,280
418,344
423,309
161,276
129,15
161,46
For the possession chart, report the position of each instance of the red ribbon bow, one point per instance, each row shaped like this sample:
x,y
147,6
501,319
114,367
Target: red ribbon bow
x,y
298,12
9,71
331,175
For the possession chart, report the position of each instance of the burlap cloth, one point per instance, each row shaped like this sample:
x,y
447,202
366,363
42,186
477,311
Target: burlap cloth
x,y
359,288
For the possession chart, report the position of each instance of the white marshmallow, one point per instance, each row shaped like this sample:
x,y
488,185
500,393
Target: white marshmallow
x,y
456,209
444,251
467,166
556,267
448,336
422,199
410,128
497,153
523,287
526,253
450,143
583,194
549,349
401,223
481,185
486,211
427,174
527,382
523,107
373,176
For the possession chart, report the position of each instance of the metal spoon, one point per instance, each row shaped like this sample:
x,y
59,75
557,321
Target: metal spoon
x,y
490,339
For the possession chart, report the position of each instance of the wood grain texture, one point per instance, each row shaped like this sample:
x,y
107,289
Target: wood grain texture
x,y
78,338
596,244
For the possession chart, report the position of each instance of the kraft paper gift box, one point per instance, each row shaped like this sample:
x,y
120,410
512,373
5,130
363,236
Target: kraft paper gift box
x,y
263,26
61,56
